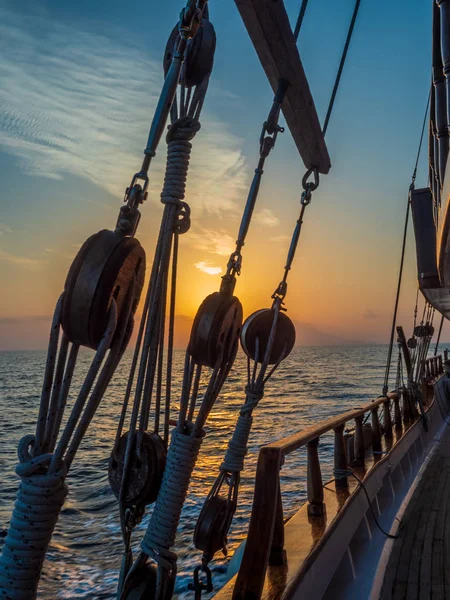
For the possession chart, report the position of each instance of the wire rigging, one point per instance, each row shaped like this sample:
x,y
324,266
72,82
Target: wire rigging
x,y
402,257
341,66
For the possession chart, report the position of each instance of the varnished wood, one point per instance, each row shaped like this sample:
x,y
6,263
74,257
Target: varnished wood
x,y
360,451
297,440
249,582
340,457
387,419
277,552
268,26
376,432
303,534
314,480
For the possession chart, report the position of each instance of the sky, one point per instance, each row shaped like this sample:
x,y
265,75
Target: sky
x,y
78,85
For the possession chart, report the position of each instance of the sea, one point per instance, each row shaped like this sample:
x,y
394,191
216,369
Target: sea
x,y
84,557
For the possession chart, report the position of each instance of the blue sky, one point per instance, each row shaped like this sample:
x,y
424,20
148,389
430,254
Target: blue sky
x,y
78,83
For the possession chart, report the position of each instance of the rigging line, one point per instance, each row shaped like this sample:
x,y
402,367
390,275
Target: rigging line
x,y
300,17
341,66
421,137
402,259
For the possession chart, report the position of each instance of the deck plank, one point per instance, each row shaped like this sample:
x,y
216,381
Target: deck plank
x,y
419,564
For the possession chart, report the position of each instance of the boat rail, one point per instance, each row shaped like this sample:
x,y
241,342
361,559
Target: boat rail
x,y
355,450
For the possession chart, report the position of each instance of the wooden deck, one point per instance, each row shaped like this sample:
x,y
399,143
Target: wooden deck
x,y
419,565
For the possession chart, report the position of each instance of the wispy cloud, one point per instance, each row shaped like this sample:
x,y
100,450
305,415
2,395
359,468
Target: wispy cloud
x,y
370,315
20,261
266,218
207,268
279,239
77,102
214,242
4,229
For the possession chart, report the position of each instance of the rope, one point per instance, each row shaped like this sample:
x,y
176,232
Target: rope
x,y
161,531
237,446
300,18
39,501
341,66
399,283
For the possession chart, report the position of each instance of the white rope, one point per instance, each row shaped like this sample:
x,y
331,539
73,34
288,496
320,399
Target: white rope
x,y
237,446
39,501
161,531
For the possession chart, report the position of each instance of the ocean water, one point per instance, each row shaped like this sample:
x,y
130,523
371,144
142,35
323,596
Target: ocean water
x,y
85,553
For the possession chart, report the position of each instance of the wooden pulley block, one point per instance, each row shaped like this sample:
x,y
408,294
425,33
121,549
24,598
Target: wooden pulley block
x,y
200,54
419,330
212,526
412,343
217,325
102,270
146,472
258,326
141,583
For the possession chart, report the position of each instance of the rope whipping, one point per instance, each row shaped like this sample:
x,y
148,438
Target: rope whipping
x,y
402,257
270,340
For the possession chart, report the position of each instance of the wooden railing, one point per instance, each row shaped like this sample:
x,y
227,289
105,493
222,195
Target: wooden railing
x,y
433,367
265,541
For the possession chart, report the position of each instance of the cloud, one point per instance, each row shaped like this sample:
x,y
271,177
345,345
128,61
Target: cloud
x,y
279,239
4,229
266,217
369,314
209,240
20,261
207,268
25,319
74,101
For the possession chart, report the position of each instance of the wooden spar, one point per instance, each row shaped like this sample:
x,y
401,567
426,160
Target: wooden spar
x,y
405,351
270,31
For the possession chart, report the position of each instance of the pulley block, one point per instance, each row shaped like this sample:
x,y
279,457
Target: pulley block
x,y
200,55
412,343
141,583
216,328
102,270
211,531
424,330
258,327
146,471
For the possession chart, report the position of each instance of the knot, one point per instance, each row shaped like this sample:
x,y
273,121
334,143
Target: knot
x,y
253,396
40,498
161,531
184,128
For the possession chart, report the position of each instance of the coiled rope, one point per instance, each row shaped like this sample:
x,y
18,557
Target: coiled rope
x,y
233,461
39,501
161,531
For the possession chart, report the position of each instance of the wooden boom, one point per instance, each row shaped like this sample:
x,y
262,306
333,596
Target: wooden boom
x,y
270,31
